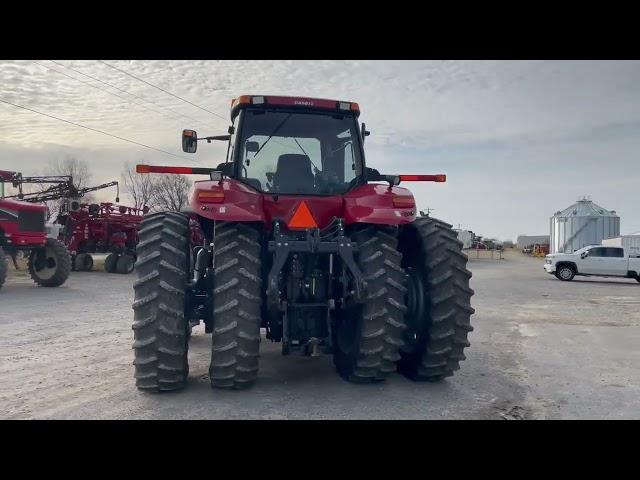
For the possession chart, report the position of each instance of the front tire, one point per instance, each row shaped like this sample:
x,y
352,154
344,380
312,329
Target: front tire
x,y
50,266
159,326
439,301
565,273
367,337
237,299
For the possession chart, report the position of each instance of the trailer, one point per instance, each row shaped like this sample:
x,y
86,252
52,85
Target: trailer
x,y
466,237
631,243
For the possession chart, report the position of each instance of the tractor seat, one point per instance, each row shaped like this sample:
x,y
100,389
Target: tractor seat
x,y
253,182
293,174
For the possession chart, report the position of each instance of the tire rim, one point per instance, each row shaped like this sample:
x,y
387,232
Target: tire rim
x,y
565,273
46,265
348,330
416,307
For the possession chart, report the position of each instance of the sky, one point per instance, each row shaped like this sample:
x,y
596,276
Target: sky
x,y
518,140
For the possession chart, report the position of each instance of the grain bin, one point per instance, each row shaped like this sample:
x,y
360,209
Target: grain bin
x,y
583,223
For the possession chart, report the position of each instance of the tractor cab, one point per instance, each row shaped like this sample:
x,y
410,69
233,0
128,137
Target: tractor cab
x,y
284,146
291,145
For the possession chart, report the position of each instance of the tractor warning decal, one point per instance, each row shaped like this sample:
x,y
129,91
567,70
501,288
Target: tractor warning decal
x,y
302,218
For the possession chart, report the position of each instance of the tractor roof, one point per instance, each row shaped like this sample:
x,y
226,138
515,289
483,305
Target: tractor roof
x,y
292,102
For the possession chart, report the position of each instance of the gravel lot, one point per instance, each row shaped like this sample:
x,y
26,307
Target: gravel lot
x,y
541,349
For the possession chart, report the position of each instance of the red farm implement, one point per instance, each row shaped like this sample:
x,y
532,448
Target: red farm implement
x,y
104,228
22,229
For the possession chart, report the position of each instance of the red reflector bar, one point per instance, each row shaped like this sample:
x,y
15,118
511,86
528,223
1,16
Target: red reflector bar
x,y
210,197
403,202
178,170
423,178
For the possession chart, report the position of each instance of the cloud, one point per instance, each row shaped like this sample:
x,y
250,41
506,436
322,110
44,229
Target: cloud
x,y
519,139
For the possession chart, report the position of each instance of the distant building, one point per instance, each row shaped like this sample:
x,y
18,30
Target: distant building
x,y
526,240
583,223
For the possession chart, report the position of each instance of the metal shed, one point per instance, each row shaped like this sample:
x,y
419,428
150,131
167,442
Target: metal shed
x,y
583,223
527,240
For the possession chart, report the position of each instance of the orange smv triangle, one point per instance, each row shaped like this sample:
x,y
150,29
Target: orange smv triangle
x,y
302,218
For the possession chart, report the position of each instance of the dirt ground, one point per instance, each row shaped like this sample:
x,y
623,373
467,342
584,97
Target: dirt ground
x,y
541,349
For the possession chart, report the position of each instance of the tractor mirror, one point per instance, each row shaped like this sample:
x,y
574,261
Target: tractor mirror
x,y
252,147
189,141
365,132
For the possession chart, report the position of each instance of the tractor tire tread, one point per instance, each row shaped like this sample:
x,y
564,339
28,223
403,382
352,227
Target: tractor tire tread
x,y
450,304
383,311
235,340
159,326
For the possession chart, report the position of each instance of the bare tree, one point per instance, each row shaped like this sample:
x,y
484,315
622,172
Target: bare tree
x,y
75,167
138,186
170,192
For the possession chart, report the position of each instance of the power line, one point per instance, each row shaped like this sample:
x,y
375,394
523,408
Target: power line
x,y
132,94
163,90
93,129
100,89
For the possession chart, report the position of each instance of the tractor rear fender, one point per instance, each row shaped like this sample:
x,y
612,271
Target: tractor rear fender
x,y
379,204
227,200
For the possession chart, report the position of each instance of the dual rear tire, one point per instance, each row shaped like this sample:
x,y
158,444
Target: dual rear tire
x,y
438,298
371,340
161,331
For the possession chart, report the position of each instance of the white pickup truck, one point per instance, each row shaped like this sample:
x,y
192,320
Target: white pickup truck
x,y
594,260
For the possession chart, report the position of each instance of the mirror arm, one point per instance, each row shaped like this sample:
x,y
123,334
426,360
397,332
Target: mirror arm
x,y
223,138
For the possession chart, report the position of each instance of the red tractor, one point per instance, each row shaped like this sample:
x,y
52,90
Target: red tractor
x,y
101,228
303,240
22,228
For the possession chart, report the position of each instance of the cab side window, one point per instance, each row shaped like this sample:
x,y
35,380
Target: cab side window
x,y
597,252
615,252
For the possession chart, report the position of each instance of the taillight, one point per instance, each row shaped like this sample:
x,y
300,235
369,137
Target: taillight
x,y
403,202
215,196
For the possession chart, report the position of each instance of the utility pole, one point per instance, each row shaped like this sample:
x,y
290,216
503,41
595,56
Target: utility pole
x,y
428,210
